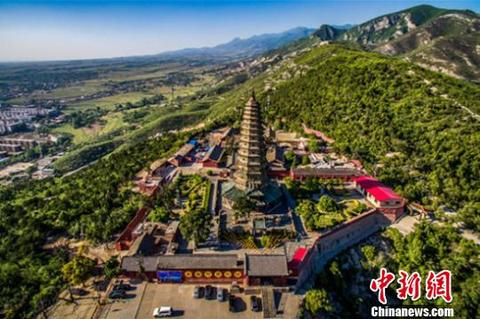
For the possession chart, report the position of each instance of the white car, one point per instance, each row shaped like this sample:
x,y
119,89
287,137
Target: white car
x,y
162,312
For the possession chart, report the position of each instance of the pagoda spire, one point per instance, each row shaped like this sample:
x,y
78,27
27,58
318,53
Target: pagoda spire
x,y
250,171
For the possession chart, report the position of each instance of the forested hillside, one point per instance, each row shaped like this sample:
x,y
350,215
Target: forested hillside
x,y
93,204
342,288
404,122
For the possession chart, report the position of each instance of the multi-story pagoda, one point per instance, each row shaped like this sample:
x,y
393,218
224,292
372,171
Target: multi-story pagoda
x,y
251,169
250,175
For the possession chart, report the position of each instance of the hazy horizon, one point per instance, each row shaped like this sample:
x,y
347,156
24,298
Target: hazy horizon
x,y
72,30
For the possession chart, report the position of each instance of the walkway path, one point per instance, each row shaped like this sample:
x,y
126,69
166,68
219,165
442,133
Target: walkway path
x,y
407,224
297,221
468,110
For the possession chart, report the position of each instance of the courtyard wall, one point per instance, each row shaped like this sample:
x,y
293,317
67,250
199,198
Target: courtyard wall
x,y
331,243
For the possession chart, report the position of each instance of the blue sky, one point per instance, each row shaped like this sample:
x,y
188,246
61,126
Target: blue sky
x,y
53,30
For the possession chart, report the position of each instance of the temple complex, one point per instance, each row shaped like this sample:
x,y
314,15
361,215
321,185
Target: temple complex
x,y
244,227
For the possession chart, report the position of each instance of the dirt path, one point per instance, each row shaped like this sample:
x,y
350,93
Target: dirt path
x,y
463,107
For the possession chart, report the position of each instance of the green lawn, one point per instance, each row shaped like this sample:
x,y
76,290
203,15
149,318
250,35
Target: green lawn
x,y
80,135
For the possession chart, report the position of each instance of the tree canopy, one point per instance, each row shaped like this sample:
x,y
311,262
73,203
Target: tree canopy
x,y
93,204
386,111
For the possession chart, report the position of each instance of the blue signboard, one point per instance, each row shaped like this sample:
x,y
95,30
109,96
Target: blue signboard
x,y
169,276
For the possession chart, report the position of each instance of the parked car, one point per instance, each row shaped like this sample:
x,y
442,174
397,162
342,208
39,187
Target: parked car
x,y
235,288
117,294
209,292
220,294
122,286
101,285
78,291
255,303
162,312
198,292
231,303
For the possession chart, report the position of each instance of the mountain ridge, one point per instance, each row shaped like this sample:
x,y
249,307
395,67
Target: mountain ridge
x,y
243,48
445,40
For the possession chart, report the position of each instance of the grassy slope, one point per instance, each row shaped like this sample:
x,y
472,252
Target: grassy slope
x,y
114,121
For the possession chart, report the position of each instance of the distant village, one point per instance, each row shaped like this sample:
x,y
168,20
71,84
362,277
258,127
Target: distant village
x,y
19,133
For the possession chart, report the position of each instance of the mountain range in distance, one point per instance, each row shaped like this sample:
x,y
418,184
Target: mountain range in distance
x,y
443,40
242,48
439,39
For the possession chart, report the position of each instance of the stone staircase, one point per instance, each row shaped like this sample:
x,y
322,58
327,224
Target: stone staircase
x,y
268,303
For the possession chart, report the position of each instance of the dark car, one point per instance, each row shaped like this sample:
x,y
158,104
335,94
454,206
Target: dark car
x,y
78,291
198,292
231,303
117,294
122,286
255,303
209,292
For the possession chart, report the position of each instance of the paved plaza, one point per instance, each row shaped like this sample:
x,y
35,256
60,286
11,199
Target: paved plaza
x,y
149,296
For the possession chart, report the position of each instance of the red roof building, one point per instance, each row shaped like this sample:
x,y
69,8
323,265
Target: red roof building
x,y
183,154
381,196
295,264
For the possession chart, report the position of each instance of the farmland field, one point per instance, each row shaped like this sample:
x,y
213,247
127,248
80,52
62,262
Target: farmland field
x,y
108,102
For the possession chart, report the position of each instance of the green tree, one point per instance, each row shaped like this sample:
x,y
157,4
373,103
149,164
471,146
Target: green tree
x,y
305,160
77,270
159,214
313,145
292,185
470,215
195,225
290,156
306,209
111,267
243,205
369,253
317,300
327,204
360,208
265,241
